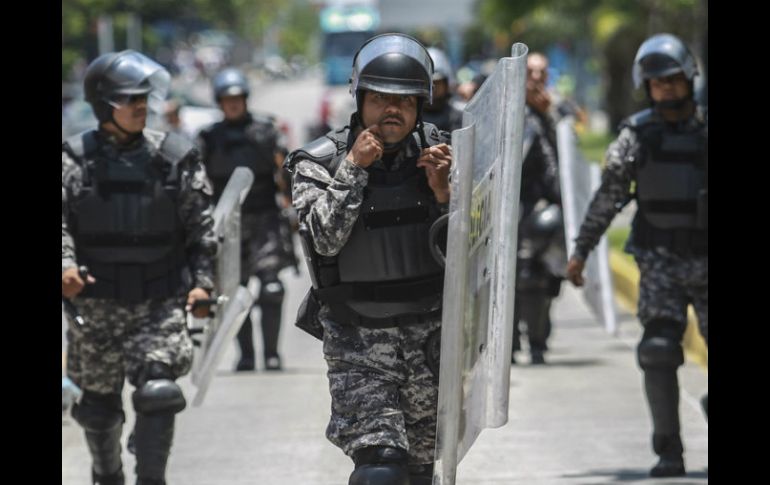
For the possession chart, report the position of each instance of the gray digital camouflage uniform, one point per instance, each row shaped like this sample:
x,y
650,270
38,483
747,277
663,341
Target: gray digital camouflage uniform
x,y
118,338
668,281
266,249
383,393
672,258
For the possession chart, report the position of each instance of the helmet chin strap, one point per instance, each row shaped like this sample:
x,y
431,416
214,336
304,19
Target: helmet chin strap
x,y
673,104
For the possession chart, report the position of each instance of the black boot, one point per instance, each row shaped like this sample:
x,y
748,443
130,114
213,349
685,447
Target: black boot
x,y
537,357
116,478
153,437
662,389
105,452
670,450
246,345
149,481
101,416
270,303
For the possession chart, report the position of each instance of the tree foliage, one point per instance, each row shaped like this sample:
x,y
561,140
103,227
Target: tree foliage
x,y
613,28
249,20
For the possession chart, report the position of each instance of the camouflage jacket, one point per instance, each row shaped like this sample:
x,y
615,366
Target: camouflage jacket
x,y
195,208
616,189
329,206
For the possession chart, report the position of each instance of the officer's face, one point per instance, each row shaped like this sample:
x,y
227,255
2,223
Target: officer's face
x,y
233,107
130,112
395,114
537,70
669,88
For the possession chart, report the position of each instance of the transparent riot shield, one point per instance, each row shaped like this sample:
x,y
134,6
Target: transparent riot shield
x,y
579,180
233,299
477,318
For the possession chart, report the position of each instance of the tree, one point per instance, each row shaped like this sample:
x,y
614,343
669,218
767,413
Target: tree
x,y
248,19
614,30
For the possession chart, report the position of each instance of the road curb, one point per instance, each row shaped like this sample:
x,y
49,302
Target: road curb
x,y
625,276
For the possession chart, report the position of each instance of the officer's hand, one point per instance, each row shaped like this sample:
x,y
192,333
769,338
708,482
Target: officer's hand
x,y
367,147
575,271
198,294
537,97
437,160
72,284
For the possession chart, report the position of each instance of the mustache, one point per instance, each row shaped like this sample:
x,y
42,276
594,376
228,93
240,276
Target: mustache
x,y
391,117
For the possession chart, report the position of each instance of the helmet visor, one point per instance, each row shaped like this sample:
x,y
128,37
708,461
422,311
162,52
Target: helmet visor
x,y
394,64
659,65
135,74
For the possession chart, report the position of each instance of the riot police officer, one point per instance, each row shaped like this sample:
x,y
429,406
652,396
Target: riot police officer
x,y
440,111
541,237
664,151
242,139
366,196
136,210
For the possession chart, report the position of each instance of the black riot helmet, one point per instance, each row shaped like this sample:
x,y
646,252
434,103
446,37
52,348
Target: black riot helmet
x,y
542,225
663,55
442,68
114,76
392,63
230,82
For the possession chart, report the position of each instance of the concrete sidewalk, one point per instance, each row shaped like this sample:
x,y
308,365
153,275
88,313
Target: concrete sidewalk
x,y
581,419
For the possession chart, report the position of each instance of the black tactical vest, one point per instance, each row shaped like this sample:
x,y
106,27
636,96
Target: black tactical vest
x,y
124,220
447,118
671,184
385,271
250,144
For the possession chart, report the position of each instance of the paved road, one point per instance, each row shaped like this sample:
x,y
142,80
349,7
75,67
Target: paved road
x,y
579,420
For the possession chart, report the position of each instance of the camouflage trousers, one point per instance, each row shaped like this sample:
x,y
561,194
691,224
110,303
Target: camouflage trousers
x,y
264,249
383,393
118,339
668,283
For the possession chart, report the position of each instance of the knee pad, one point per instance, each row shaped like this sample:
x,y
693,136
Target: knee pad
x,y
152,370
156,392
380,465
271,292
99,412
421,474
661,347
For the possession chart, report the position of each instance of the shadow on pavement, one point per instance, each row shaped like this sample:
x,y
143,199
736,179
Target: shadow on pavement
x,y
630,475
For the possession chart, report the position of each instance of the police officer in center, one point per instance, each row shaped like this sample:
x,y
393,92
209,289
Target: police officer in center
x,y
137,212
663,150
366,196
243,139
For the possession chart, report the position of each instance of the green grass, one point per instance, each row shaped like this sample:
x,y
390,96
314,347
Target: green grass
x,y
593,145
616,238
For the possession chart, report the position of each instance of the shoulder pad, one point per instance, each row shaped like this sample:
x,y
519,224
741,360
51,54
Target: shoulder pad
x,y
434,136
637,120
81,145
261,126
263,118
175,148
321,150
